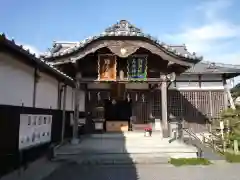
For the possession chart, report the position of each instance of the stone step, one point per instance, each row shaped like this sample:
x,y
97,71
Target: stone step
x,y
131,149
116,161
141,158
127,146
126,135
160,150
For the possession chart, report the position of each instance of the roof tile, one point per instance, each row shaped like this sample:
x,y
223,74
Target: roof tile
x,y
32,56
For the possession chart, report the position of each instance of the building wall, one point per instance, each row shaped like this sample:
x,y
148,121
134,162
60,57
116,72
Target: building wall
x,y
183,82
204,82
189,99
47,92
218,84
16,82
69,98
17,86
82,101
98,86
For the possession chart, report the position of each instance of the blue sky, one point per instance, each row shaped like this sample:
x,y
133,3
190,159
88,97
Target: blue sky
x,y
209,27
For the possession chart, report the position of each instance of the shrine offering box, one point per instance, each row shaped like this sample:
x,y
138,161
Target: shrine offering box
x,y
116,126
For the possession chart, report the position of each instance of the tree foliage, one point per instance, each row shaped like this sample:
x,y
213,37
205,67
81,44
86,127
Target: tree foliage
x,y
231,115
236,91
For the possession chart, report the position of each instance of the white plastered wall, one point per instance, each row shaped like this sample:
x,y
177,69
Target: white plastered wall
x,y
82,101
70,99
16,82
47,92
208,82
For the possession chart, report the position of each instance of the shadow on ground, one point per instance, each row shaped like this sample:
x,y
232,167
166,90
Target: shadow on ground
x,y
99,156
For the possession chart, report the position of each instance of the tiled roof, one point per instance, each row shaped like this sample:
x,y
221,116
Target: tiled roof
x,y
122,28
32,57
212,68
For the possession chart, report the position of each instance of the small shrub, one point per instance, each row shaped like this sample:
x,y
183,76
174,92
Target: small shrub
x,y
189,161
232,158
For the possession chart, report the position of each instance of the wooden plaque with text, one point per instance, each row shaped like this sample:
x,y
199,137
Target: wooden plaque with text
x,y
107,68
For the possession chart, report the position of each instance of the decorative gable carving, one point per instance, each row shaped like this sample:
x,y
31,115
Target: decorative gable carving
x,y
123,28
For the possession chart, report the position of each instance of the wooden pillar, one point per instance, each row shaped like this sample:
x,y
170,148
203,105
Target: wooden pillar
x,y
227,95
36,78
164,106
76,109
64,111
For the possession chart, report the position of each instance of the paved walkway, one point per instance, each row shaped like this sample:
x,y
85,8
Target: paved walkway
x,y
44,170
74,171
73,168
36,171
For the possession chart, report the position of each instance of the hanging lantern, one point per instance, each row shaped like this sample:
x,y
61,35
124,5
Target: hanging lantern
x,y
128,97
89,96
136,97
99,96
143,98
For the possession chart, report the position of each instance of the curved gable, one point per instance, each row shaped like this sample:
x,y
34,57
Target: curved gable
x,y
124,30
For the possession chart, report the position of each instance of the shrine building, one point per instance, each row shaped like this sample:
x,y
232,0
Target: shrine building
x,y
146,78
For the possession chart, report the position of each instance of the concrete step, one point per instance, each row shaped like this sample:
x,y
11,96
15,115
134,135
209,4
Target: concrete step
x,y
124,135
145,145
116,158
165,150
126,145
132,150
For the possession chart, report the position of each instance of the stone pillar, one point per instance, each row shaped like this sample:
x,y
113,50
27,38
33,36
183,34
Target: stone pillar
x,y
75,139
164,107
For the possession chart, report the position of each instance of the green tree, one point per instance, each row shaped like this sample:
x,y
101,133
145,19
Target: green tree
x,y
236,91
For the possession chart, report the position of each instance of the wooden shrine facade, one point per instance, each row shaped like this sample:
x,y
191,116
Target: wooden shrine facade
x,y
193,108
124,55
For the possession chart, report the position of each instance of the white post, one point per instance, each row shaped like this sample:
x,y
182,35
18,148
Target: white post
x,y
164,106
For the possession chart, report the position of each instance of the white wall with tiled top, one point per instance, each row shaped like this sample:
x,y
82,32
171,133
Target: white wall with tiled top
x,y
47,92
187,81
191,82
70,99
212,77
183,82
17,86
16,82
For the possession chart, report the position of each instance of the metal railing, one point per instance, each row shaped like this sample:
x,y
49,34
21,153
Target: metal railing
x,y
213,141
195,140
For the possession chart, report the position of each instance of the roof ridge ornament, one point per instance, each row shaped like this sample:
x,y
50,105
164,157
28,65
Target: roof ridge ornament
x,y
212,65
123,27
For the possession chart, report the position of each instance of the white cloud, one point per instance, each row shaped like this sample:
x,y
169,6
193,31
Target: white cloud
x,y
32,49
211,9
216,30
214,38
206,39
217,38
